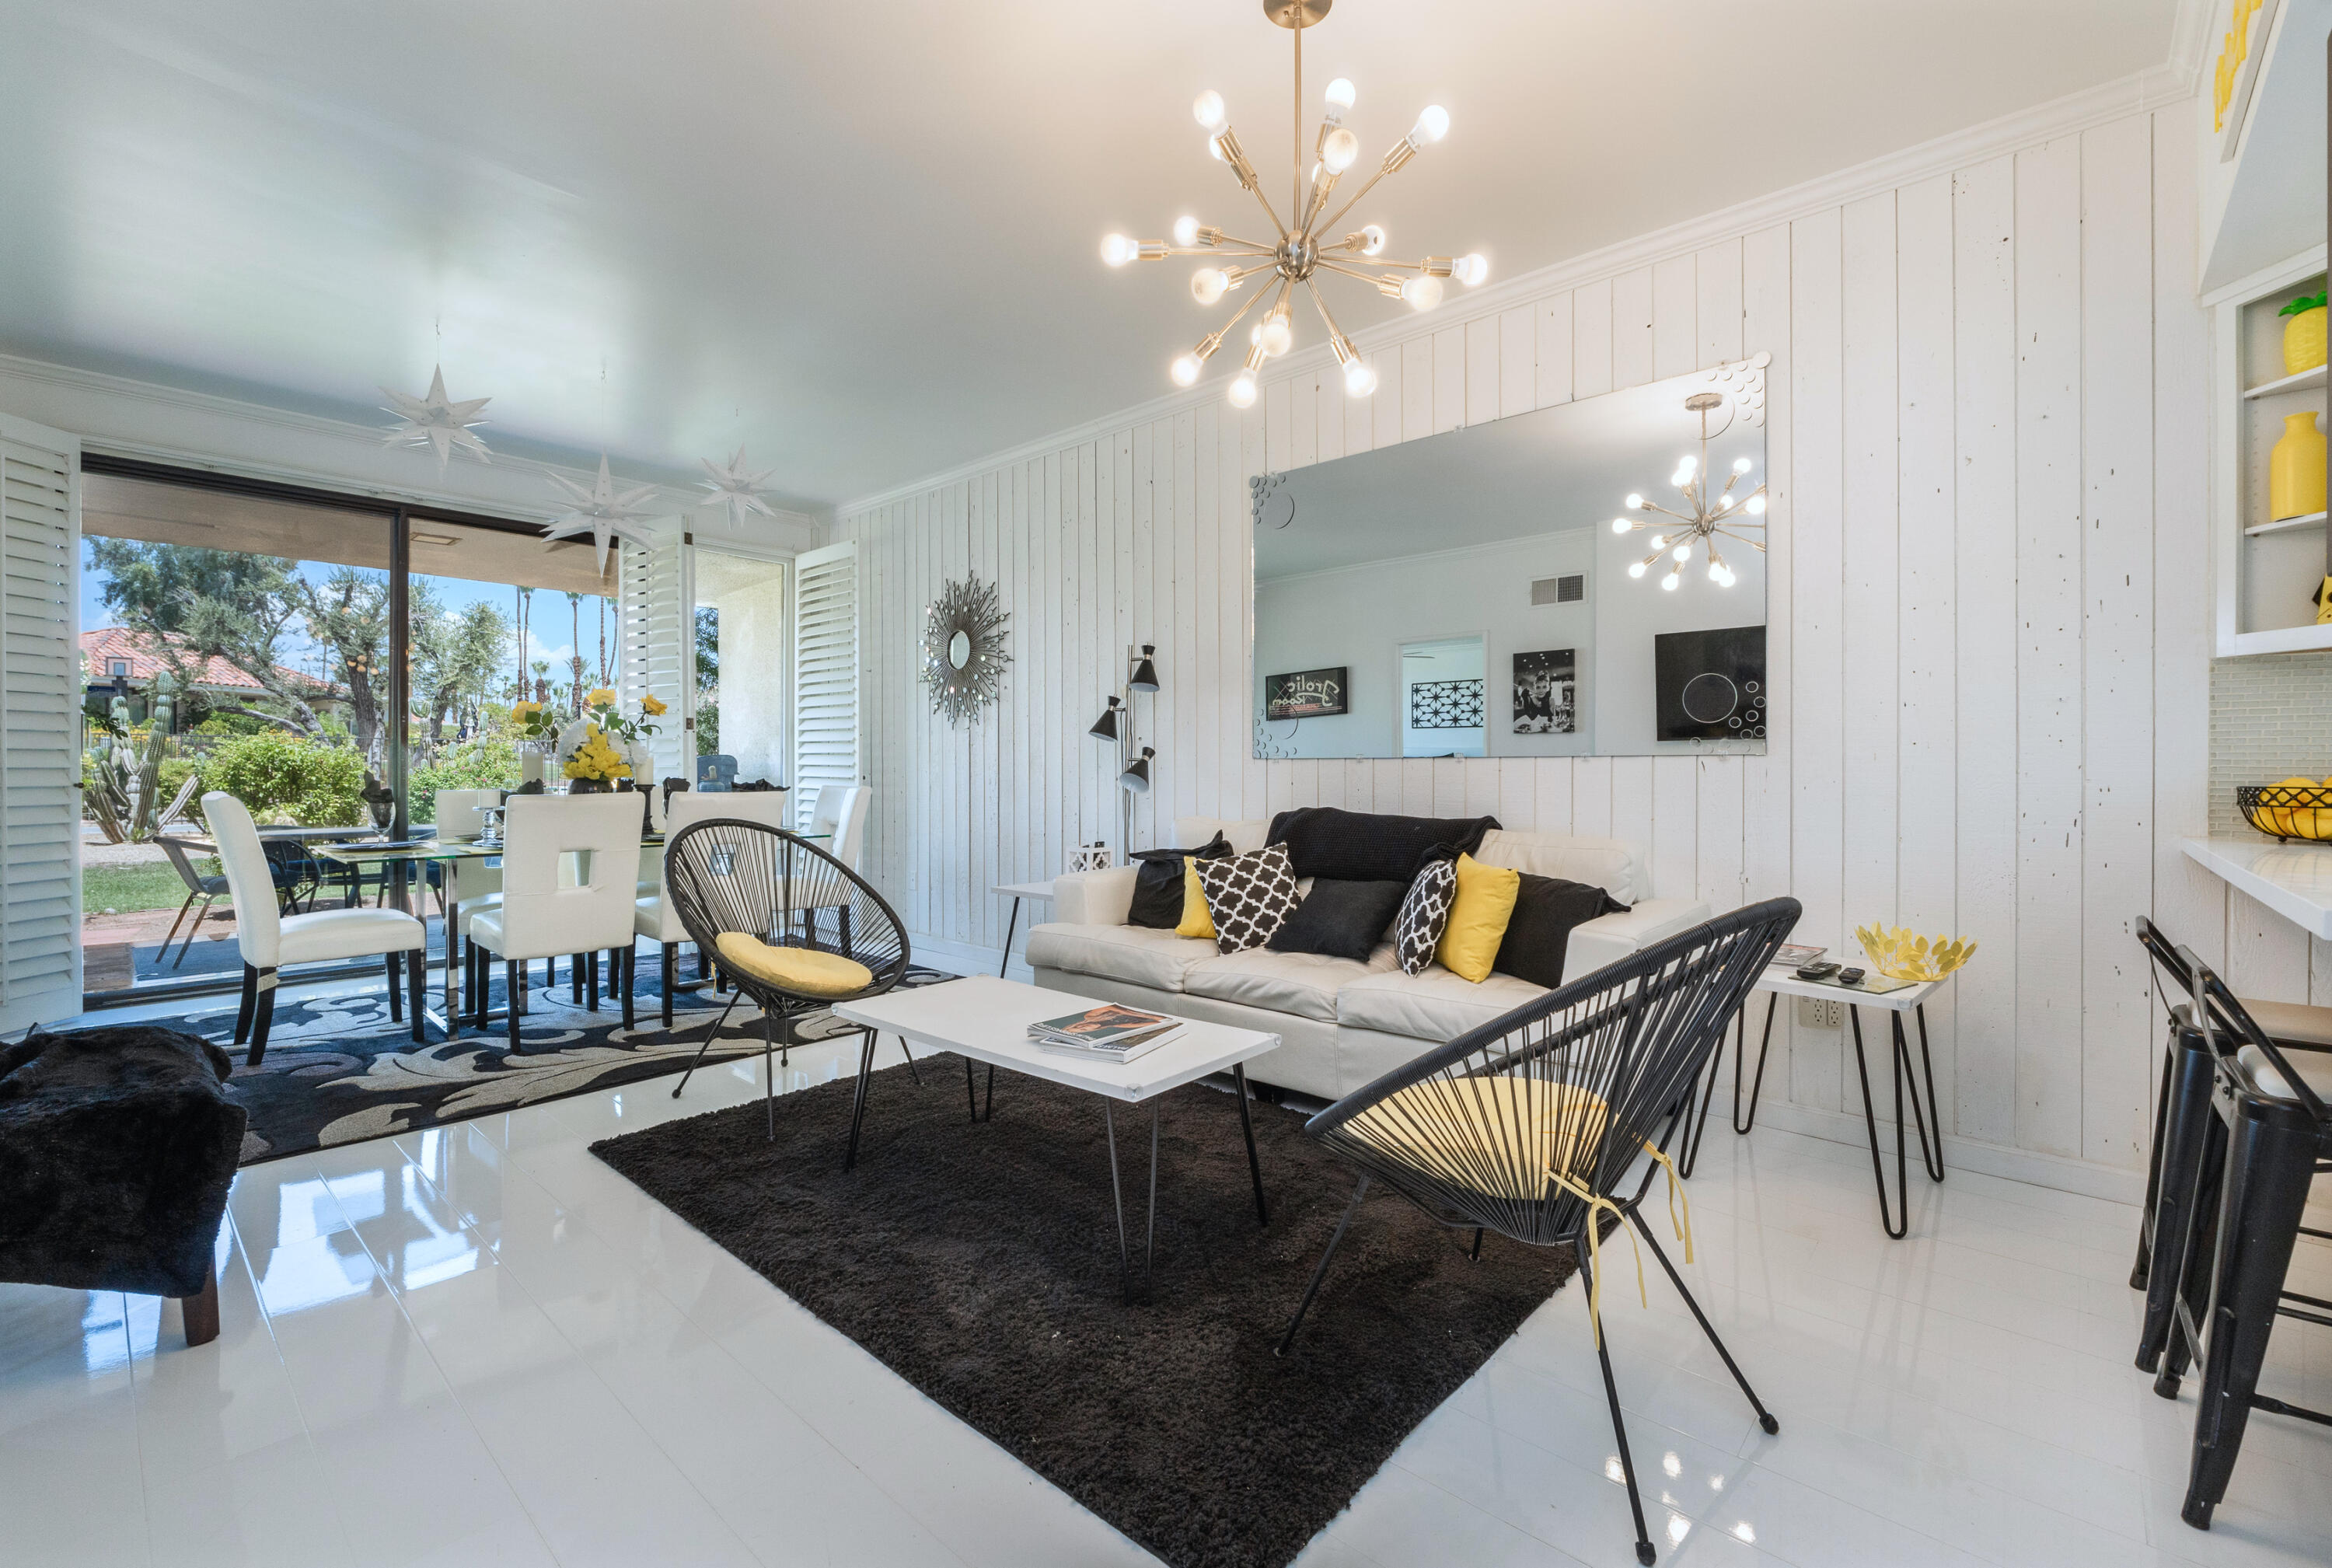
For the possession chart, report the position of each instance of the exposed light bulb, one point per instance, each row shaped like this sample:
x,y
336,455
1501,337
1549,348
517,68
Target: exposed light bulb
x,y
1682,552
1372,240
1755,506
1724,575
1431,126
1117,250
1669,582
1423,291
1471,268
1740,465
1277,335
1340,150
1359,379
1620,525
1635,502
1717,571
1207,109
1687,463
1242,392
1207,284
1659,542
1215,146
1186,231
1185,371
1724,504
1636,569
1340,96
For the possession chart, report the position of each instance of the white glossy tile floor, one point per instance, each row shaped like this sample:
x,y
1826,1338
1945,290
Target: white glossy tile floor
x,y
478,1345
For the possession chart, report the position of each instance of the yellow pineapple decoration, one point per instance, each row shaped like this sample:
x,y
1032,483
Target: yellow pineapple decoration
x,y
1895,953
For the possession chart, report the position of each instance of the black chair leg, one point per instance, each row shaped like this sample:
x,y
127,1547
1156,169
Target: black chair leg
x,y
512,972
1644,1552
242,1010
589,965
625,961
395,965
698,1060
262,1015
667,974
416,980
1321,1273
2182,1132
193,931
2190,1260
770,1081
1766,1419
574,979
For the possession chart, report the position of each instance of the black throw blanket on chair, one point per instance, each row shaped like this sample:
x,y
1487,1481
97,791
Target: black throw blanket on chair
x,y
1363,847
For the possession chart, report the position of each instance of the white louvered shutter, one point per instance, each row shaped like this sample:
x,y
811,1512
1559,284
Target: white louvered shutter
x,y
40,725
825,674
657,648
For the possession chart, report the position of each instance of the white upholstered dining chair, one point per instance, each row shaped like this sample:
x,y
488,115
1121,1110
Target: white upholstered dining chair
x,y
270,939
544,914
840,810
655,917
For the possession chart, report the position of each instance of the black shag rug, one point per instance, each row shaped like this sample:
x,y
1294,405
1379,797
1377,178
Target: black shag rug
x,y
980,1262
338,1070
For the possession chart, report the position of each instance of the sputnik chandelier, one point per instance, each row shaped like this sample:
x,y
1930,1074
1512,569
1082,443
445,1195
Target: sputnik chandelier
x,y
1302,249
1725,513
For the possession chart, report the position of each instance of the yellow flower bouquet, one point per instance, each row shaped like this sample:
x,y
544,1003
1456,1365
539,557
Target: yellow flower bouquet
x,y
606,710
534,721
597,760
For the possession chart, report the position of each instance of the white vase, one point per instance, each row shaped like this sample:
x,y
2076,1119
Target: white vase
x,y
529,762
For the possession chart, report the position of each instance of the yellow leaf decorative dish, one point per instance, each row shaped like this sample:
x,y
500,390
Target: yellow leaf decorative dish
x,y
1897,954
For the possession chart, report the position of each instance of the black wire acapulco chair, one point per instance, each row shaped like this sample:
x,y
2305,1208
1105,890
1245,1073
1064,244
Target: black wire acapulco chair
x,y
1530,1124
742,890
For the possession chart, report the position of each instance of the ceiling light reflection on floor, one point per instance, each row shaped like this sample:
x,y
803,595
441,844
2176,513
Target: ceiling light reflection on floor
x,y
1744,1533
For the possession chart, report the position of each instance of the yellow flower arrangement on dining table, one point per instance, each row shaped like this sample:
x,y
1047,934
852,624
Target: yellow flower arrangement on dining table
x,y
597,758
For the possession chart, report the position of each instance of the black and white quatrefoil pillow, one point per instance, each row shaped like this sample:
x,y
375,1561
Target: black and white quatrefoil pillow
x,y
1249,895
1424,915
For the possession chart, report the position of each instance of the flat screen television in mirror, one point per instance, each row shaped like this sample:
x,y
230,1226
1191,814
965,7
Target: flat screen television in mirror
x,y
1470,595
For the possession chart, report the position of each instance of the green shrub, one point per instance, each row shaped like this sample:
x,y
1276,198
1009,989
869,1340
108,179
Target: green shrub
x,y
318,785
489,763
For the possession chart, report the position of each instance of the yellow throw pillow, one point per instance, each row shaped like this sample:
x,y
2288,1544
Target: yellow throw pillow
x,y
1477,919
803,972
1196,921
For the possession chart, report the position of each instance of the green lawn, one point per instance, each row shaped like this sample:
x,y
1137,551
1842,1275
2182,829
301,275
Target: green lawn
x,y
130,887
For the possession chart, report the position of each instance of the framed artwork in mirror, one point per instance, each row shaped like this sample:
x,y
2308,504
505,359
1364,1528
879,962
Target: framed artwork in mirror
x,y
1307,693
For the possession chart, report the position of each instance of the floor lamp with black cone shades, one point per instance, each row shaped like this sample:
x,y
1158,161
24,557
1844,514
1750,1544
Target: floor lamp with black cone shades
x,y
1134,769
1532,1125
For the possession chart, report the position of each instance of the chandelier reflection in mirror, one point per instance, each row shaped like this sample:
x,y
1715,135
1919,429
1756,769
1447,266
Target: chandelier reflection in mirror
x,y
1712,513
964,649
1302,251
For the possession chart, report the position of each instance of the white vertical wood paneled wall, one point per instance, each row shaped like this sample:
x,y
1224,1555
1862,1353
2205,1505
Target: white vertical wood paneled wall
x,y
1988,640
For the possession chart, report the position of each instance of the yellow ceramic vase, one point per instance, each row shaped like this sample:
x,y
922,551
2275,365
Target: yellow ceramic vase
x,y
2295,469
2303,341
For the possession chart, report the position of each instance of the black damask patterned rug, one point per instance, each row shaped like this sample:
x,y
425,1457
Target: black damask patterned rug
x,y
337,1071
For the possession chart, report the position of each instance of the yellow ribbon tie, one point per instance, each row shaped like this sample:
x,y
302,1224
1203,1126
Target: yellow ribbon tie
x,y
1675,1189
1594,1247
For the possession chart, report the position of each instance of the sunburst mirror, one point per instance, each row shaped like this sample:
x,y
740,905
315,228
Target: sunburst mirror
x,y
964,649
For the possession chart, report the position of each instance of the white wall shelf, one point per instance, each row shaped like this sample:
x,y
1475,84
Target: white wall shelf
x,y
2299,383
2312,520
2267,570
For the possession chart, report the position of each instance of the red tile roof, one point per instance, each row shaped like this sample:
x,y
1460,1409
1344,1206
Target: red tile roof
x,y
101,647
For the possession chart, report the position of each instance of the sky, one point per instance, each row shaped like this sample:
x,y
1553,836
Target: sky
x,y
457,594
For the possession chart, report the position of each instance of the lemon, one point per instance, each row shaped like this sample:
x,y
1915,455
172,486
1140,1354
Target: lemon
x,y
2281,818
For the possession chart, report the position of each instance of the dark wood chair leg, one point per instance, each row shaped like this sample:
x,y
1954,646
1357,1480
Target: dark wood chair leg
x,y
243,1011
588,966
625,961
511,968
667,972
201,1312
263,1016
394,964
704,964
416,982
574,977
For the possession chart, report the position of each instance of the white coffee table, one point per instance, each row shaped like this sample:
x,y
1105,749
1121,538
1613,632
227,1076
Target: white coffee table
x,y
986,1019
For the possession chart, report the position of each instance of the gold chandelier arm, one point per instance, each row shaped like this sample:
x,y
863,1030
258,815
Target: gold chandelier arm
x,y
1242,311
1392,160
1258,251
1323,265
1320,303
1664,511
1259,246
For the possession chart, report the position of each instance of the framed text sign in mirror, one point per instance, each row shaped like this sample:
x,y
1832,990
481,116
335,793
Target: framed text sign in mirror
x,y
1587,580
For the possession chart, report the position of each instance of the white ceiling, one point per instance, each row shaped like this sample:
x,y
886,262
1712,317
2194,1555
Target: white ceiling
x,y
860,239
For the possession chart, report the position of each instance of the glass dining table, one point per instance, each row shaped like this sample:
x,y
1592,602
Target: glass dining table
x,y
403,858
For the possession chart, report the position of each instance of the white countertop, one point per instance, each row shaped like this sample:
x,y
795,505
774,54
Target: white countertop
x,y
2295,880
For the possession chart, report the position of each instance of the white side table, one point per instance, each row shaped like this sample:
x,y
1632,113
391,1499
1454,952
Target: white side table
x,y
1780,981
1019,890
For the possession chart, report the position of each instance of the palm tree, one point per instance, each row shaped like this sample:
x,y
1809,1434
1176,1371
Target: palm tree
x,y
542,680
602,602
525,600
575,608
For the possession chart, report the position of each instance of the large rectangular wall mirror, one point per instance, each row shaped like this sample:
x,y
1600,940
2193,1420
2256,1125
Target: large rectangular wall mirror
x,y
1472,594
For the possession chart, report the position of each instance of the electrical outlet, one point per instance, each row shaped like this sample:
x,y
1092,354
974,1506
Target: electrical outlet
x,y
1821,1013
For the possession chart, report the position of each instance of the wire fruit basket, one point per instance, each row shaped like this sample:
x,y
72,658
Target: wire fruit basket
x,y
2294,810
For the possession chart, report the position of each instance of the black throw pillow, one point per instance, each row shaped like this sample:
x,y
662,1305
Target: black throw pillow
x,y
1158,882
1538,934
1367,846
1341,919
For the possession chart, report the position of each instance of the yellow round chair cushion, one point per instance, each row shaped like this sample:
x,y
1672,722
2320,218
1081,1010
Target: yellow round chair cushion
x,y
1502,1135
805,972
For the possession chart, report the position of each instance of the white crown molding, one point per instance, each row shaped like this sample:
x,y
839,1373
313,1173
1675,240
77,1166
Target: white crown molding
x,y
2152,89
120,417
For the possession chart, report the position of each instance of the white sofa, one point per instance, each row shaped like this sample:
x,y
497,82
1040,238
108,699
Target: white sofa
x,y
1341,1024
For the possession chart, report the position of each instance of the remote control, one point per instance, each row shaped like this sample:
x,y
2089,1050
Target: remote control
x,y
1814,971
1849,977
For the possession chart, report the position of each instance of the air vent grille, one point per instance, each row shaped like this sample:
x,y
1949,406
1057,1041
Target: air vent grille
x,y
1560,590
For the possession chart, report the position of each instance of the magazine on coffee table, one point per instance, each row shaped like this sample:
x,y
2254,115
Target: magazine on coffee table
x,y
1797,953
1111,1032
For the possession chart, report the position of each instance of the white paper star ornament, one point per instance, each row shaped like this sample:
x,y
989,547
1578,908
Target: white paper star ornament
x,y
436,421
735,489
601,512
